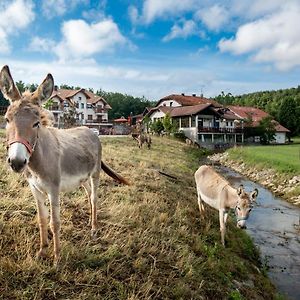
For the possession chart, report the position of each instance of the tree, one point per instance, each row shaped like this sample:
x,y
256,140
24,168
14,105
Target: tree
x,y
266,130
289,114
167,123
157,126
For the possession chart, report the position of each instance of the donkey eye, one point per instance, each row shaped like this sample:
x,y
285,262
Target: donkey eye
x,y
238,208
7,121
250,209
37,124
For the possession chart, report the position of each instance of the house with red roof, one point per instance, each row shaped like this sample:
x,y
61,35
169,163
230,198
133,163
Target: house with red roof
x,y
255,115
91,110
208,122
203,120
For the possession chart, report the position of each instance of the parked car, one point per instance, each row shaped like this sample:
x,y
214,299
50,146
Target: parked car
x,y
95,130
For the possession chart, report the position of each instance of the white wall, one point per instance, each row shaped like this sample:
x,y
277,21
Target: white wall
x,y
280,137
157,115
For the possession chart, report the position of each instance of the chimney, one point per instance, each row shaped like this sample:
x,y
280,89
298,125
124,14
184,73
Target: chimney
x,y
182,94
194,95
201,95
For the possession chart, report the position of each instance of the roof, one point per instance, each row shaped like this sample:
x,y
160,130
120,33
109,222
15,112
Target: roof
x,y
188,110
186,100
256,115
66,95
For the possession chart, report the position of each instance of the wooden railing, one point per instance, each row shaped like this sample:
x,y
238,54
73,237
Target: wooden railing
x,y
220,130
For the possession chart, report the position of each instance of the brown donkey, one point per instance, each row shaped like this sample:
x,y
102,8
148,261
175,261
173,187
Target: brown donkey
x,y
53,160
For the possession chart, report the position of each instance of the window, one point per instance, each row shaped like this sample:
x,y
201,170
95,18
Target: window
x,y
171,103
90,117
66,104
193,121
185,122
82,105
89,106
79,98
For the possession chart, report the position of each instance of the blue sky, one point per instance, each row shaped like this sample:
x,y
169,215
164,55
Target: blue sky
x,y
154,47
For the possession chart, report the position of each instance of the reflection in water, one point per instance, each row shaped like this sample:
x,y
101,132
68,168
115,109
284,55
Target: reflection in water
x,y
274,226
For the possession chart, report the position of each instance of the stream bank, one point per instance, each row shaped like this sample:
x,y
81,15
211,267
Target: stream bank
x,y
287,188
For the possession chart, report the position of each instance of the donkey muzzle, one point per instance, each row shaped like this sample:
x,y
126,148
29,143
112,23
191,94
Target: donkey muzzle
x,y
241,224
17,164
18,156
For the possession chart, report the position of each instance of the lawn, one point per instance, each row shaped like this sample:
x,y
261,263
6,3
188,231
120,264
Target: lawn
x,y
284,159
151,242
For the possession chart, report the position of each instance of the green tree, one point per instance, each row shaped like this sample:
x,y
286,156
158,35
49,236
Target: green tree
x,y
266,130
157,126
167,123
289,114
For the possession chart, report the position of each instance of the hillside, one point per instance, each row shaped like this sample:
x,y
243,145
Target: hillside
x,y
151,243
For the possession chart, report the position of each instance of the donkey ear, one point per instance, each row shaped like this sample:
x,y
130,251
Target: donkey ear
x,y
44,91
240,190
7,85
253,195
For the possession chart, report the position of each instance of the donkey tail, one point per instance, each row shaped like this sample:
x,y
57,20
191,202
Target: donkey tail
x,y
110,172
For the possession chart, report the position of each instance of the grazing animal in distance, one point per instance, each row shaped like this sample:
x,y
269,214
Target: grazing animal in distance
x,y
144,138
216,191
53,160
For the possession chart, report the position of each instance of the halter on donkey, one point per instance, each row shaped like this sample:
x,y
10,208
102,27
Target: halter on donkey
x,y
53,160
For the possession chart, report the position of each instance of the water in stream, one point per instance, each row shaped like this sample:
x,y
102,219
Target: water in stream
x,y
274,226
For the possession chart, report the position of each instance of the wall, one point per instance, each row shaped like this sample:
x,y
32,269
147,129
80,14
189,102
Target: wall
x,y
168,102
280,137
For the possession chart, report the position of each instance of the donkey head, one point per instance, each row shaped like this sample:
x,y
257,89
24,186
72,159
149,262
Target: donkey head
x,y
244,206
24,117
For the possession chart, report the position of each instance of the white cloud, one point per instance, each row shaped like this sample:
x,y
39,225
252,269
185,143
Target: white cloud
x,y
213,17
81,39
41,45
14,16
273,39
133,14
188,28
53,8
153,9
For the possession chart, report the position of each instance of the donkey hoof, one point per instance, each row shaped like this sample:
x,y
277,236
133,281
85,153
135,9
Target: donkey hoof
x,y
93,234
41,254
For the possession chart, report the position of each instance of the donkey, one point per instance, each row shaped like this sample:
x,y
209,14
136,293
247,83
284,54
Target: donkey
x,y
53,160
217,193
144,138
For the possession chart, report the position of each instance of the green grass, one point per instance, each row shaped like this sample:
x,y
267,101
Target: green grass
x,y
151,242
283,159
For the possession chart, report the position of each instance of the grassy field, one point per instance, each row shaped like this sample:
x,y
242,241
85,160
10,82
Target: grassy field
x,y
284,159
151,243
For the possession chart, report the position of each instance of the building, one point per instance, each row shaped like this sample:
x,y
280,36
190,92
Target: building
x,y
208,123
255,115
203,120
90,109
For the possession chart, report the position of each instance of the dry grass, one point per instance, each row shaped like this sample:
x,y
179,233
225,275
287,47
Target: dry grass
x,y
151,243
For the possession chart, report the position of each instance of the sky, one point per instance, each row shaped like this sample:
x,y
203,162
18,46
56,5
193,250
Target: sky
x,y
154,48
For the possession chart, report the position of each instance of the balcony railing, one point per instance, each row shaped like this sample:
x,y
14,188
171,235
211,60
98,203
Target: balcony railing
x,y
219,130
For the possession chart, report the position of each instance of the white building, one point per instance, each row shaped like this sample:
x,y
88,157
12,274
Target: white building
x,y
91,109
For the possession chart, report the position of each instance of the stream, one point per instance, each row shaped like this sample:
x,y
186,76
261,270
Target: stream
x,y
274,227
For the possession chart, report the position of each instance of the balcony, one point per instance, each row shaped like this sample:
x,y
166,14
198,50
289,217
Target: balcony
x,y
99,110
219,130
55,108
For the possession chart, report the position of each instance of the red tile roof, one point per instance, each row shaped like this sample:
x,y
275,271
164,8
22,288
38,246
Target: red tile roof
x,y
66,95
188,110
186,100
256,115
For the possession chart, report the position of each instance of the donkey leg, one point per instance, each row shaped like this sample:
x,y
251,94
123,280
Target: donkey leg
x,y
222,226
42,219
55,224
201,206
93,201
88,190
